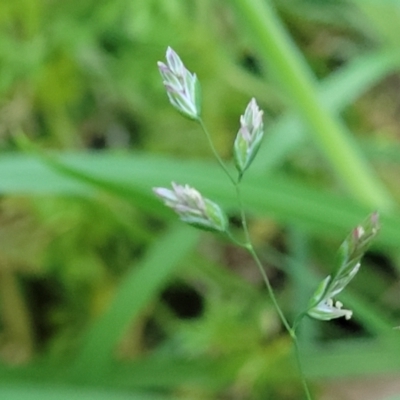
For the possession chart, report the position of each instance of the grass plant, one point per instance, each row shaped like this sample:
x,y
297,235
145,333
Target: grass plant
x,y
104,294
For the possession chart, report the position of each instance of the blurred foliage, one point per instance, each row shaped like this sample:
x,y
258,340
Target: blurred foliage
x,y
103,294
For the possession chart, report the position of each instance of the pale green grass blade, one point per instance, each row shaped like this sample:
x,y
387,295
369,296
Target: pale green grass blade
x,y
167,371
337,92
285,199
353,358
153,373
288,201
297,268
278,50
60,392
385,18
140,286
157,372
22,174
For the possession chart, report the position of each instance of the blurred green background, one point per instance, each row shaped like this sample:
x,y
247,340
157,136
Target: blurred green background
x,y
103,293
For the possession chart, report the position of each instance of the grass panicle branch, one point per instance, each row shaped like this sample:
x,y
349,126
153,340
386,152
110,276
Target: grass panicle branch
x,y
201,212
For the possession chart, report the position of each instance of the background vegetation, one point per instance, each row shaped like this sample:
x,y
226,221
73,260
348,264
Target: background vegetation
x,y
103,293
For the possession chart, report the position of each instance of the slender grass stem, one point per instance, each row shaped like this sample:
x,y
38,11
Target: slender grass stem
x,y
217,156
248,246
234,240
300,367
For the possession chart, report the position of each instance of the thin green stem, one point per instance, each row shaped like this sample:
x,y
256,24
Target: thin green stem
x,y
297,321
217,156
234,240
300,367
242,213
270,289
250,248
248,245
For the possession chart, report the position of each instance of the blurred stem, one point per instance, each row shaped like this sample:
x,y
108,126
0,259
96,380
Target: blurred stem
x,y
288,64
15,315
298,247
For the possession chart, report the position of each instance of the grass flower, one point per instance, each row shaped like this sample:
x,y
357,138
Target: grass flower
x,y
248,139
351,251
193,208
182,86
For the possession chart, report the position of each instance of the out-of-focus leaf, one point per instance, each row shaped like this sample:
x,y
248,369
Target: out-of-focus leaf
x,y
61,392
135,291
336,92
132,176
351,358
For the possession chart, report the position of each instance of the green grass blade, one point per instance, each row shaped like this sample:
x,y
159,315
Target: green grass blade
x,y
286,199
385,16
167,371
60,392
22,174
336,92
329,133
139,287
353,358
